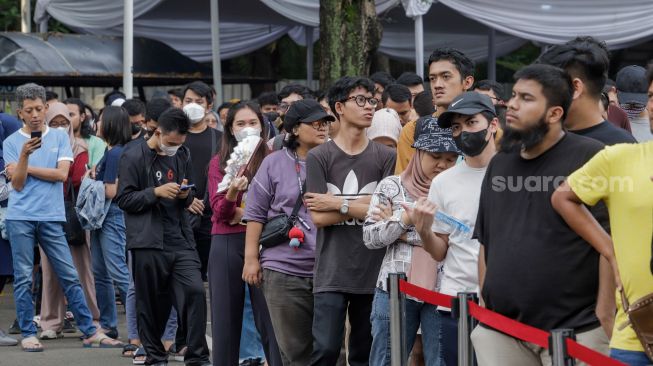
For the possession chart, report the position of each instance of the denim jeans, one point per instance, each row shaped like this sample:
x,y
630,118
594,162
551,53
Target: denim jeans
x,y
132,321
110,265
630,358
416,313
23,236
250,340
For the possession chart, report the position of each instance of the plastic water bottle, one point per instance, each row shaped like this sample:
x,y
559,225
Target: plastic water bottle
x,y
456,227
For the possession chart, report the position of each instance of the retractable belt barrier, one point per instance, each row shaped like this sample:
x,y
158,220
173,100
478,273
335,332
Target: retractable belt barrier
x,y
560,342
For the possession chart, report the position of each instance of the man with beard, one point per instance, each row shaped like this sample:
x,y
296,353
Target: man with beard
x,y
537,271
79,120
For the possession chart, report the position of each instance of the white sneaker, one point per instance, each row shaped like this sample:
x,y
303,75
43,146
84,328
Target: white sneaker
x,y
50,334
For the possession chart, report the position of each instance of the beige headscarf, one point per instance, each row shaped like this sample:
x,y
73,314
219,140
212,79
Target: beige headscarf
x,y
78,145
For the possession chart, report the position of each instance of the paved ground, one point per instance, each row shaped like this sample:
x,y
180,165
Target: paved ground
x,y
62,352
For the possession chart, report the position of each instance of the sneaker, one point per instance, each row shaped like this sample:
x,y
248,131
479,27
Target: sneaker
x,y
14,329
50,334
6,340
252,362
68,327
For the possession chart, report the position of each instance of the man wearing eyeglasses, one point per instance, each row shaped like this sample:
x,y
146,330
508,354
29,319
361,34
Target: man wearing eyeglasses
x,y
341,176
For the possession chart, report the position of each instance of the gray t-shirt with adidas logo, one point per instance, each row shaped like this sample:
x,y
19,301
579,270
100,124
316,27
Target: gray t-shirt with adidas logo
x,y
342,262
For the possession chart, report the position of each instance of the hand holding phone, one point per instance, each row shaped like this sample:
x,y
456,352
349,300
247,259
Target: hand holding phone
x,y
32,144
185,187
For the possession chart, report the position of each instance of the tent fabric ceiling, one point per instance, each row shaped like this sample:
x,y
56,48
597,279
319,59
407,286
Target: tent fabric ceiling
x,y
251,24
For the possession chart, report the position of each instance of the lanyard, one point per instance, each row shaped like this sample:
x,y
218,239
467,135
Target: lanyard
x,y
301,191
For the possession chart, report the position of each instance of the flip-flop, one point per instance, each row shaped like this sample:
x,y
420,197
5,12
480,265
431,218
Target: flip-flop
x,y
31,344
97,342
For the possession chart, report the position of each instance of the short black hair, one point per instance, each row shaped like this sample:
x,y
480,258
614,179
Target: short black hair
x,y
116,129
85,128
225,105
556,84
113,95
490,85
134,107
398,93
155,108
176,92
464,64
200,88
382,77
322,94
423,104
339,91
583,57
410,79
268,98
299,89
174,120
49,95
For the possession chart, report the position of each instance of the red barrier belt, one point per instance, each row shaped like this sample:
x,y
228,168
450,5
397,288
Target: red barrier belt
x,y
509,326
590,356
431,297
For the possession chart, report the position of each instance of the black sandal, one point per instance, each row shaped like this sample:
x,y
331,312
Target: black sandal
x,y
128,350
139,356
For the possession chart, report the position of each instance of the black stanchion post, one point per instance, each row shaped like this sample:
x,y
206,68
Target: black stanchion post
x,y
558,347
466,324
398,356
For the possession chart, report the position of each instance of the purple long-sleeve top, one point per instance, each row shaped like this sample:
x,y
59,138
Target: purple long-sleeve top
x,y
273,191
223,209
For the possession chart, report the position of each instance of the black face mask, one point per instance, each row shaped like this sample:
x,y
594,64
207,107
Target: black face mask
x,y
136,128
271,116
471,143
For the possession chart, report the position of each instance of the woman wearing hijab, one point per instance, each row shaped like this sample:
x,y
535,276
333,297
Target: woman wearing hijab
x,y
53,307
388,226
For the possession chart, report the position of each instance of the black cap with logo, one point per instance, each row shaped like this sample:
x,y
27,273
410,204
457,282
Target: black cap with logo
x,y
305,111
468,104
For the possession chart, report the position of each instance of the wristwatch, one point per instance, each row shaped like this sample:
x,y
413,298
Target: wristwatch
x,y
344,209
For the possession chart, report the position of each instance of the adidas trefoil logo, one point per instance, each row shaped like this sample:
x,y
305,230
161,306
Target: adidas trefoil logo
x,y
350,191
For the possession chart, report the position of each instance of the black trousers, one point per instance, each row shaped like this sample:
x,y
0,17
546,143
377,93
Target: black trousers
x,y
330,311
164,279
227,291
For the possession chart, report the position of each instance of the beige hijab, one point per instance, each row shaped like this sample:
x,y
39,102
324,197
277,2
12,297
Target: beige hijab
x,y
78,145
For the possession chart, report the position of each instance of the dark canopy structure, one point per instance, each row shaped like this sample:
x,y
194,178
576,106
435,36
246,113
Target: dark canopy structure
x,y
55,59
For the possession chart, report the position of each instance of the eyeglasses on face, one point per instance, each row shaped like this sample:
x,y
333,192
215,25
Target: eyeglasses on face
x,y
319,125
283,107
361,100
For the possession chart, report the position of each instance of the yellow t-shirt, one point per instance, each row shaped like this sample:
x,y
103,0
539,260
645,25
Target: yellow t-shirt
x,y
405,149
621,176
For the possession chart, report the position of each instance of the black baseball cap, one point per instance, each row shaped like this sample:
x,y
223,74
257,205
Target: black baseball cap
x,y
467,104
631,85
305,111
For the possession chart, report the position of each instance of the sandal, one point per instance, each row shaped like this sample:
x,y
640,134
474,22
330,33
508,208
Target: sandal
x,y
100,340
139,356
129,350
31,344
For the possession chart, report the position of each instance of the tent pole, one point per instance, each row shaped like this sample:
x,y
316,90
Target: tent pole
x,y
128,50
43,26
215,50
309,55
492,55
419,46
25,16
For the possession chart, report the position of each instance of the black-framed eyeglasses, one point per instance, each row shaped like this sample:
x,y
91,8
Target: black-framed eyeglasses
x,y
321,124
361,100
283,107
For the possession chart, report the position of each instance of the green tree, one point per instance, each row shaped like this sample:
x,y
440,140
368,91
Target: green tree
x,y
350,34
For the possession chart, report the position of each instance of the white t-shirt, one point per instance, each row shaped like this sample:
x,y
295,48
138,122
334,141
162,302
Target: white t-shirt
x,y
457,192
641,129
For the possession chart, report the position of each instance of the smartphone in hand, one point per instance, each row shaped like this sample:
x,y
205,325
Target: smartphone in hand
x,y
185,187
37,134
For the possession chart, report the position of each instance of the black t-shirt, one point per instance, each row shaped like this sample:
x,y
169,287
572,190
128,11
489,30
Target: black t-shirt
x,y
342,261
607,133
200,146
165,171
539,271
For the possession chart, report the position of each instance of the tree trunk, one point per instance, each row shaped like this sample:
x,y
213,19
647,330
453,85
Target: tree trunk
x,y
350,34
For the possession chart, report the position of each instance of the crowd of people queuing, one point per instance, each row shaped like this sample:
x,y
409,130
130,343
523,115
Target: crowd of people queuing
x,y
541,202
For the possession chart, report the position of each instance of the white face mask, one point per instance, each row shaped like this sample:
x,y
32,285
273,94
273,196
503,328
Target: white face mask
x,y
247,131
64,129
168,150
195,112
